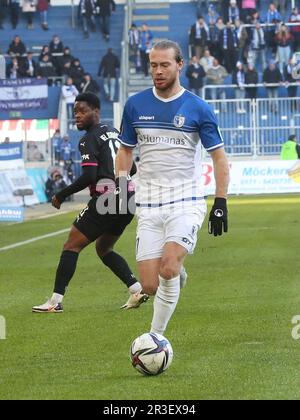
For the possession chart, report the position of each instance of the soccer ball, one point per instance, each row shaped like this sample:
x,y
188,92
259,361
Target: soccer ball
x,y
151,354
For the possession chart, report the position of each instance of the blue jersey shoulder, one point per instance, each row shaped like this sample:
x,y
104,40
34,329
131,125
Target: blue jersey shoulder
x,y
140,97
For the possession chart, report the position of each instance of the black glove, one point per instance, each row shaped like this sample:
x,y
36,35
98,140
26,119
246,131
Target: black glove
x,y
218,218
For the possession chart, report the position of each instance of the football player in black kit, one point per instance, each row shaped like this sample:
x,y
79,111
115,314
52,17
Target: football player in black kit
x,y
98,150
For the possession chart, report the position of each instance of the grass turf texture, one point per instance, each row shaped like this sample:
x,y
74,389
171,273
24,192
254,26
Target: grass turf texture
x,y
231,333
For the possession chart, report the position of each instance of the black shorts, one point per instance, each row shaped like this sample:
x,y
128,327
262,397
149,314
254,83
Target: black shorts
x,y
93,225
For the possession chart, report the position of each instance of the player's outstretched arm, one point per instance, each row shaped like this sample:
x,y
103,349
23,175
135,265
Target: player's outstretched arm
x,y
218,219
88,177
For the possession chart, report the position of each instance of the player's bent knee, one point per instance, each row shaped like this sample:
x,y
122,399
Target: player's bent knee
x,y
169,269
70,246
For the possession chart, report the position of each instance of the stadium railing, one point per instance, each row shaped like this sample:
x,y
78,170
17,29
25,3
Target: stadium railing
x,y
208,88
257,128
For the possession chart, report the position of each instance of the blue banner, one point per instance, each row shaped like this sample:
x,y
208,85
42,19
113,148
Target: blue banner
x,y
11,214
11,151
22,94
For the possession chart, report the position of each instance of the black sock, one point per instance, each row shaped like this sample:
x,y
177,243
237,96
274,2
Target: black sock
x,y
120,268
65,271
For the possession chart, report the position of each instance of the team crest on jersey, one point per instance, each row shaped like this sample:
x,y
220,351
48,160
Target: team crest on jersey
x,y
179,121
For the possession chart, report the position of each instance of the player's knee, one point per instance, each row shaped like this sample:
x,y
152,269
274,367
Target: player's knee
x,y
71,246
169,269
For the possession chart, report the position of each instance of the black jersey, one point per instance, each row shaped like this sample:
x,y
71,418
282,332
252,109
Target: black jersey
x,y
98,148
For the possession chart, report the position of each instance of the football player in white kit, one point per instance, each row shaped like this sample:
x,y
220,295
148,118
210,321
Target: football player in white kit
x,y
170,125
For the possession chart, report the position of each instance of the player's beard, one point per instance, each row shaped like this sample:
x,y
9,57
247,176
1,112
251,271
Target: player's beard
x,y
167,85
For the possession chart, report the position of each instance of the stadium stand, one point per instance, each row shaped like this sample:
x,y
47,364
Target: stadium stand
x,y
167,19
89,51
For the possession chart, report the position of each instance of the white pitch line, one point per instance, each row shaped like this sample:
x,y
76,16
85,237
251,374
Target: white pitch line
x,y
30,241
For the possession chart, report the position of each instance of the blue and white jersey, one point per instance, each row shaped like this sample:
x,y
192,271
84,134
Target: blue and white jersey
x,y
170,134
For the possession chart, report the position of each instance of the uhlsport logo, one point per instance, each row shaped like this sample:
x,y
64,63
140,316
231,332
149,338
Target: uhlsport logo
x,y
179,121
2,328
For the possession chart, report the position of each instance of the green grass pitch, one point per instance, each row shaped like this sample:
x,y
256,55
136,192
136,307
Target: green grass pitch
x,y
231,332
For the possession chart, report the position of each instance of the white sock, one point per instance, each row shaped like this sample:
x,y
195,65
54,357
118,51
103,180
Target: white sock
x,y
165,303
135,288
56,298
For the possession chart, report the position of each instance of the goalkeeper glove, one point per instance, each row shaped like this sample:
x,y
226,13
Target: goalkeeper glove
x,y
218,218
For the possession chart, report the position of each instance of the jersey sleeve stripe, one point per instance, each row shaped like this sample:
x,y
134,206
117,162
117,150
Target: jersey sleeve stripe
x,y
126,144
218,146
89,164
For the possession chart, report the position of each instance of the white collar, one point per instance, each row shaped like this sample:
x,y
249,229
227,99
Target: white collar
x,y
173,98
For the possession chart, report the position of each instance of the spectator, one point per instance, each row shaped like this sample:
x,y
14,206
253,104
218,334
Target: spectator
x,y
295,30
67,57
255,18
106,7
6,140
56,46
216,76
54,184
238,78
108,70
66,150
145,48
46,69
214,34
258,46
233,12
242,37
195,74
207,61
16,48
13,70
134,36
76,72
56,49
272,75
251,78
273,18
229,45
89,85
3,11
87,12
14,8
290,72
28,9
28,66
199,37
290,149
56,142
70,92
284,40
212,14
45,51
43,7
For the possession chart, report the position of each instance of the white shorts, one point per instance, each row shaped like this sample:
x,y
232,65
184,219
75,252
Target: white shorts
x,y
157,227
